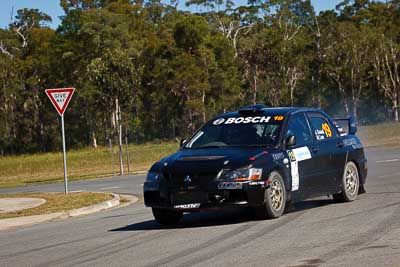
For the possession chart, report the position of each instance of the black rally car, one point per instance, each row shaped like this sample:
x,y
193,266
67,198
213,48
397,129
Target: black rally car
x,y
261,158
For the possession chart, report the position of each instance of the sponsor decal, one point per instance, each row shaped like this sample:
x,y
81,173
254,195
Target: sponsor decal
x,y
187,206
291,155
278,156
257,183
356,146
296,155
279,118
320,134
341,131
352,142
242,120
349,142
219,121
294,169
229,185
302,153
327,130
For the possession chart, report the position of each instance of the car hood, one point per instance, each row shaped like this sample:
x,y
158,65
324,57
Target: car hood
x,y
203,165
216,158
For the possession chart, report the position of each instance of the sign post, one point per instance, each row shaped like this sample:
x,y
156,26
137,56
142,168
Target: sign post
x,y
60,99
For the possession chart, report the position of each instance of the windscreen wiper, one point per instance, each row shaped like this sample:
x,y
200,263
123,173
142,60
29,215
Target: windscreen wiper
x,y
215,146
212,146
259,145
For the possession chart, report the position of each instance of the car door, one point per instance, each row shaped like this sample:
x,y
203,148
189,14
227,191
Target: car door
x,y
301,164
327,152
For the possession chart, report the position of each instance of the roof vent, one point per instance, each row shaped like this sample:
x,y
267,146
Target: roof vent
x,y
253,109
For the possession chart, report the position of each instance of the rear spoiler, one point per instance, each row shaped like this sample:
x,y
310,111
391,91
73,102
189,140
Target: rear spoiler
x,y
351,125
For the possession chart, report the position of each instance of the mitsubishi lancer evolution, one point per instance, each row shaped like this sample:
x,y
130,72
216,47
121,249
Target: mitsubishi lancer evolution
x,y
261,158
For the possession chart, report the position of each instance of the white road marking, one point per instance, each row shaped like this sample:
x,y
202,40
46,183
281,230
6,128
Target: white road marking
x,y
389,175
388,160
111,187
77,191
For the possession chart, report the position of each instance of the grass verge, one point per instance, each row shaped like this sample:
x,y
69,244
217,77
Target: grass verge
x,y
82,164
384,134
56,202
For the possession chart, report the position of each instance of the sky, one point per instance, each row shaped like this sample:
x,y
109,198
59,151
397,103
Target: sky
x,y
52,8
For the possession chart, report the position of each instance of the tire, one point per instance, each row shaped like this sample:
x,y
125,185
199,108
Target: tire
x,y
167,217
350,184
274,198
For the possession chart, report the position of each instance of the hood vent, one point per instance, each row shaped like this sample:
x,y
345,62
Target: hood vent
x,y
200,158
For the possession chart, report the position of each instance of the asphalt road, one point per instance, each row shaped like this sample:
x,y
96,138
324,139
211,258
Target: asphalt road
x,y
313,233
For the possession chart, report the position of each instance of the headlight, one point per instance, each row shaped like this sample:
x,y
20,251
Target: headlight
x,y
241,175
153,176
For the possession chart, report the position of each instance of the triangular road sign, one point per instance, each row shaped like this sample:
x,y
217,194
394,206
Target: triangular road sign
x,y
60,98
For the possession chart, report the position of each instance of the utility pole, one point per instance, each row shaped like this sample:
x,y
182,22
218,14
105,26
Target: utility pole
x,y
127,149
119,132
112,154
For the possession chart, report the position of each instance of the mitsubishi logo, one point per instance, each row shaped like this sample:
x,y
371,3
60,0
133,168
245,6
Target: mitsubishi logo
x,y
187,179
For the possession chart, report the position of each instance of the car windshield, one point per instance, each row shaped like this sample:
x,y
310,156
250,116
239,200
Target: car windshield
x,y
238,131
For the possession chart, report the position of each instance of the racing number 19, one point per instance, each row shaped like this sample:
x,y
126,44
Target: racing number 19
x,y
327,130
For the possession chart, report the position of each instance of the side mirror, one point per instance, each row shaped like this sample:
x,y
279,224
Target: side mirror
x,y
182,143
352,125
290,141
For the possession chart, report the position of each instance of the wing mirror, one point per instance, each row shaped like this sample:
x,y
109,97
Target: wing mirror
x,y
290,141
182,143
352,125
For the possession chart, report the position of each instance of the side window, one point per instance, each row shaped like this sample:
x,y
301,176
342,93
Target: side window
x,y
321,127
298,127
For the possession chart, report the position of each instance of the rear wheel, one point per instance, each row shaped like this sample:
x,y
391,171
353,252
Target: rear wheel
x,y
350,184
274,198
167,217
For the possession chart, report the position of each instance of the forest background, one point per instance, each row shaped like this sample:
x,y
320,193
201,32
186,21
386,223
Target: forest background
x,y
155,72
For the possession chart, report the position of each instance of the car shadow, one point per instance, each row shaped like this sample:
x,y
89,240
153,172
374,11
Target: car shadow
x,y
309,204
222,217
196,220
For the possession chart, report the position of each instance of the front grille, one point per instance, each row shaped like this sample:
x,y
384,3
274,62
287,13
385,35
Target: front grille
x,y
191,179
188,197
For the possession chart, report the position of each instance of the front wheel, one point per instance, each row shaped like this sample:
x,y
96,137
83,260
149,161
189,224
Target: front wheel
x,y
167,217
350,184
274,198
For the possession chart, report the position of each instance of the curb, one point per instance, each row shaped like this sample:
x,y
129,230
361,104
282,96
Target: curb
x,y
29,220
95,208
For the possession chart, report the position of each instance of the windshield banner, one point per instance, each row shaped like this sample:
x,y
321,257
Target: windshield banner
x,y
240,120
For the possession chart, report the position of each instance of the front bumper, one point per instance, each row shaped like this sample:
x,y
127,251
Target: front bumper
x,y
216,195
